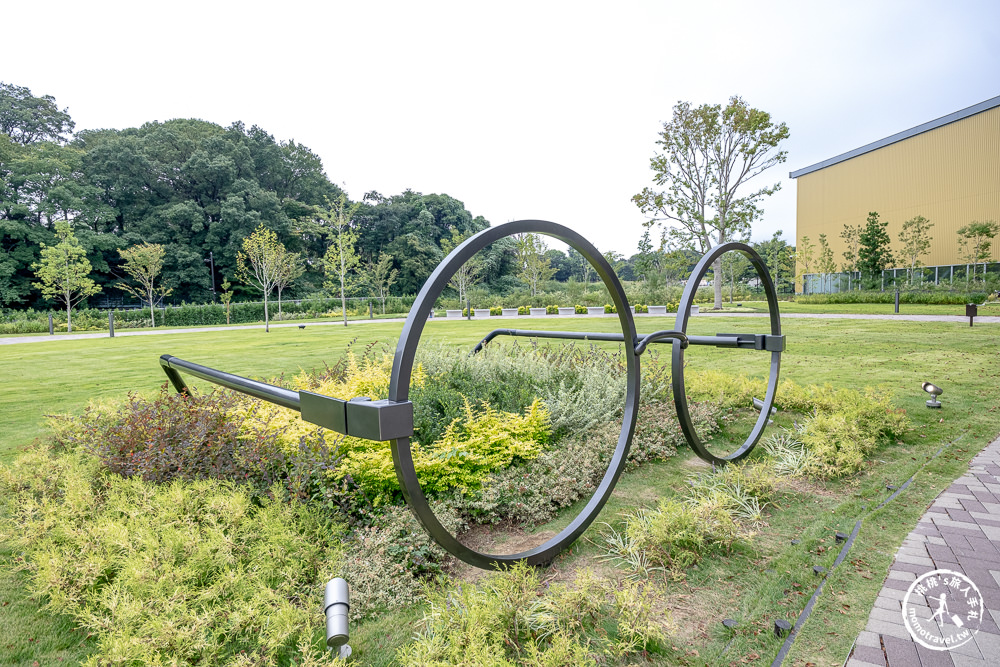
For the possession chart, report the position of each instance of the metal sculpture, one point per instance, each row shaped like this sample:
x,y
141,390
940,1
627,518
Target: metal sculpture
x,y
392,419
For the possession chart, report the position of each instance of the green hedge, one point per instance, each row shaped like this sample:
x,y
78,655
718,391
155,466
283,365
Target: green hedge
x,y
187,315
909,296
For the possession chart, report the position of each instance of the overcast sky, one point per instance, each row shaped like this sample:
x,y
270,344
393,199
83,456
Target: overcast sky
x,y
520,109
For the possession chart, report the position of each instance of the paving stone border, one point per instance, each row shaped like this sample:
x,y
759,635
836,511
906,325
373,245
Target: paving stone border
x,y
960,531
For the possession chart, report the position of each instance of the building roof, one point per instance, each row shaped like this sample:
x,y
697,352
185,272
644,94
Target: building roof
x,y
906,134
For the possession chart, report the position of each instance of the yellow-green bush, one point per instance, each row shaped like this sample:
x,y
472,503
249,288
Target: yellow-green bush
x,y
485,441
168,573
677,534
511,620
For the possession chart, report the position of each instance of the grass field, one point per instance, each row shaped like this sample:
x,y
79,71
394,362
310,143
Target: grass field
x,y
753,584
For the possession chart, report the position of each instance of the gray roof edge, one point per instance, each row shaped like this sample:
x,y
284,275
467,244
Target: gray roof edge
x,y
905,134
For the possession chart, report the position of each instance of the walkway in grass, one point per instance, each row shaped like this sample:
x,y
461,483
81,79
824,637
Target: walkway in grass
x,y
12,340
960,532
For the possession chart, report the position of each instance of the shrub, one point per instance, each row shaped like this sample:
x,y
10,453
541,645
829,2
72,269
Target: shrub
x,y
509,619
388,563
640,308
658,433
488,440
580,310
608,308
172,436
90,541
676,534
551,310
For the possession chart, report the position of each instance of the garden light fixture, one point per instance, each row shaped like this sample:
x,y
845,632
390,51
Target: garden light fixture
x,y
934,391
336,604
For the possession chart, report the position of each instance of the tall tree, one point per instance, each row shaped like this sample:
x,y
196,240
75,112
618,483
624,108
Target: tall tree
x,y
341,258
780,260
708,155
734,264
975,241
64,272
826,264
916,239
27,119
874,251
534,266
144,264
290,269
258,264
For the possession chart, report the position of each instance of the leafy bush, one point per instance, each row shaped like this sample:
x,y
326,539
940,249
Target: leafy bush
x,y
168,573
580,310
388,563
488,440
173,436
640,308
658,433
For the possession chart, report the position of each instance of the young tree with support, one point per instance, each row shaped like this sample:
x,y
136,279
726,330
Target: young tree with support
x,y
533,265
226,296
467,275
874,251
258,264
974,243
381,276
804,260
341,257
290,268
144,264
916,239
64,272
708,155
825,265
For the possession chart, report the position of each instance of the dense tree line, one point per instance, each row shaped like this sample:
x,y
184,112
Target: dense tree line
x,y
197,189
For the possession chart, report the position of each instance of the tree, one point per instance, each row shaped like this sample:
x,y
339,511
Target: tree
x,y
467,274
64,271
381,276
734,264
27,119
851,234
779,258
144,263
975,241
646,260
709,153
534,266
258,264
916,241
290,268
826,265
803,260
341,257
874,253
226,296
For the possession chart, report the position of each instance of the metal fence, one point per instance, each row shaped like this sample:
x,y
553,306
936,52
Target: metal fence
x,y
956,275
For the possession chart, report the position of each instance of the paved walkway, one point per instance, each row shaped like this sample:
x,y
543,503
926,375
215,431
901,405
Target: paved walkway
x,y
12,340
959,532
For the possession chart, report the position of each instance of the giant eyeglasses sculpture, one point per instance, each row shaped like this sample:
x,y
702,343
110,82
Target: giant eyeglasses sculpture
x,y
392,419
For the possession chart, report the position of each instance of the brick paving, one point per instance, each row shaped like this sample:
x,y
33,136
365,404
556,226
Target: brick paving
x,y
960,532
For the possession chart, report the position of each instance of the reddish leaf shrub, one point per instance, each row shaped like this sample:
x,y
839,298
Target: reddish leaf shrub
x,y
173,436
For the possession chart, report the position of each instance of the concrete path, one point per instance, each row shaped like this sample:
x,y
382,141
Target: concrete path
x,y
960,532
13,340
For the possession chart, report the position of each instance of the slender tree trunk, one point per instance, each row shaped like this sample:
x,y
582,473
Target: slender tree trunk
x,y
267,321
279,304
343,272
717,283
152,316
69,315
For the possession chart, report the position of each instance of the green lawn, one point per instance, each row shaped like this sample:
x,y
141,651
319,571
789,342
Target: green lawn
x,y
61,376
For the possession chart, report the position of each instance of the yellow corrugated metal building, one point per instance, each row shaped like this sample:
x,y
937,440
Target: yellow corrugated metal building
x,y
947,170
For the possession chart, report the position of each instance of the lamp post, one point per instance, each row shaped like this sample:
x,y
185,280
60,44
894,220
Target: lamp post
x,y
211,261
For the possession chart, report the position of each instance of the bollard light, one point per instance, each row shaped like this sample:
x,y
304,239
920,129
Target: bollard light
x,y
934,391
781,627
336,604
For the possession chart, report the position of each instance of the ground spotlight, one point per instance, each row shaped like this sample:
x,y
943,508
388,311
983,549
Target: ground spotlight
x,y
934,391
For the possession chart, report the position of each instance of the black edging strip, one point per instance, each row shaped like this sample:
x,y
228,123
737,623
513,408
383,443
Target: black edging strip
x,y
804,615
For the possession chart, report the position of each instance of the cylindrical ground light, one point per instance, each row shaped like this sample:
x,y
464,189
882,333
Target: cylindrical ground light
x,y
336,604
